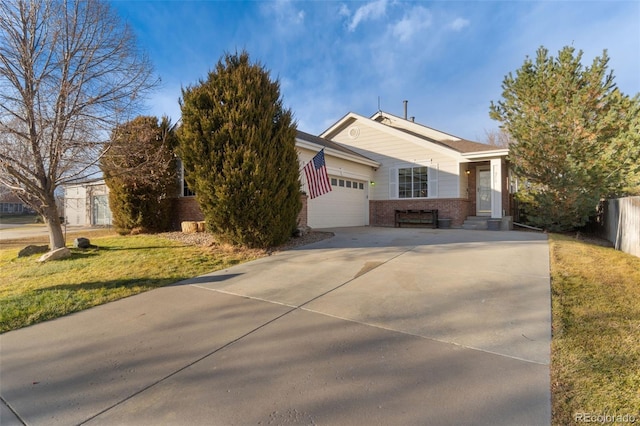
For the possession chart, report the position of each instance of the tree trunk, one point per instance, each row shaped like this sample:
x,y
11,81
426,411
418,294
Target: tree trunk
x,y
51,218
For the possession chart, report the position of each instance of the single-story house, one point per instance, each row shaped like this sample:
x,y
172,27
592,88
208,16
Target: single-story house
x,y
385,163
12,205
376,165
423,168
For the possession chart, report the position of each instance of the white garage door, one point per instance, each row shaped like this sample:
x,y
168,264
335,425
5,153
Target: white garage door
x,y
345,205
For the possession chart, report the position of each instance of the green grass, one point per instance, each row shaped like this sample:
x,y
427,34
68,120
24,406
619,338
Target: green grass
x,y
595,351
31,292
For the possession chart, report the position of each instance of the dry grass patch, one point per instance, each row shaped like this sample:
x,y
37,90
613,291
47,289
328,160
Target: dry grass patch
x,y
596,331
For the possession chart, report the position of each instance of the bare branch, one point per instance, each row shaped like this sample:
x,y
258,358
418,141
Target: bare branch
x,y
70,71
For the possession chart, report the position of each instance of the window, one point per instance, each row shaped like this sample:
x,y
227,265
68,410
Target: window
x,y
348,184
361,185
334,182
341,182
413,182
186,191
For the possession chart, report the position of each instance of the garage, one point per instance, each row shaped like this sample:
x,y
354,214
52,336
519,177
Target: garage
x,y
345,205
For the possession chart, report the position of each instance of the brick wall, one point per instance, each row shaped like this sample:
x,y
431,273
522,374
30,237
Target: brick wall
x,y
187,209
382,212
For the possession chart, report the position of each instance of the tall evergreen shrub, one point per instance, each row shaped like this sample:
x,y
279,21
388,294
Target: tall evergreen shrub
x,y
237,145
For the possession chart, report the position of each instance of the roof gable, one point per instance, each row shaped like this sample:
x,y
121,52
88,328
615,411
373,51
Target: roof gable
x,y
416,133
430,134
334,148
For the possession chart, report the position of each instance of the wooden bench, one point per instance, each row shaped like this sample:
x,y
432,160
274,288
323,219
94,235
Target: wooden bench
x,y
417,218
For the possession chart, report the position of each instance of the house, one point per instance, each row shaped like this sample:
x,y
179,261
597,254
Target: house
x,y
87,203
423,168
376,165
11,205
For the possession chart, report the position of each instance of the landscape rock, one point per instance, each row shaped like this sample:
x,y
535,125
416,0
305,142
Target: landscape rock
x,y
189,227
61,253
301,231
32,249
83,243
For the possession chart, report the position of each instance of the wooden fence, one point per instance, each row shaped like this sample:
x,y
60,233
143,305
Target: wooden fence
x,y
621,222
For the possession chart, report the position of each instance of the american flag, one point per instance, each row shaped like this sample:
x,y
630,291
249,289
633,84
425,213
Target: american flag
x,y
317,178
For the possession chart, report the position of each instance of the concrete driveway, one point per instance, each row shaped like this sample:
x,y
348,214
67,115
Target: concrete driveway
x,y
373,326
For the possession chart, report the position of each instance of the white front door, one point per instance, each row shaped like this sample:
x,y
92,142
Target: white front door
x,y
483,192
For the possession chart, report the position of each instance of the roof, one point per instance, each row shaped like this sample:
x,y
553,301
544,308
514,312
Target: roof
x,y
419,130
328,144
421,133
460,145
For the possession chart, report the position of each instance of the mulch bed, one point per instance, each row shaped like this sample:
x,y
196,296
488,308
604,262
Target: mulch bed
x,y
205,239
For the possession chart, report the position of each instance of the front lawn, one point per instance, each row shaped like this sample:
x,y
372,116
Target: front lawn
x,y
31,292
595,350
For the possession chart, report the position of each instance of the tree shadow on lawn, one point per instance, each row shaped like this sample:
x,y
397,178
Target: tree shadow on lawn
x,y
122,248
49,303
144,283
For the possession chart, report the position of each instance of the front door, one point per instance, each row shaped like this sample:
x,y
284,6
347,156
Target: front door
x,y
483,191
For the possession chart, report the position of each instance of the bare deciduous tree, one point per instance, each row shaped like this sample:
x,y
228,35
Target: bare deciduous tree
x,y
498,138
70,71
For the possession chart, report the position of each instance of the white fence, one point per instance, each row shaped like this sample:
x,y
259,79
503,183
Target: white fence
x,y
622,224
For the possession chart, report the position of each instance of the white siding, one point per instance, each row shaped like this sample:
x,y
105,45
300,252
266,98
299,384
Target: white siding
x,y
394,152
75,205
342,206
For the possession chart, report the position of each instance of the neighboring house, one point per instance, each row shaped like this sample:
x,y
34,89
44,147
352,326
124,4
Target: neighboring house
x,y
376,165
87,203
10,204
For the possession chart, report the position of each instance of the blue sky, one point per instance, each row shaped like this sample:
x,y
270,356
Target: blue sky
x,y
447,58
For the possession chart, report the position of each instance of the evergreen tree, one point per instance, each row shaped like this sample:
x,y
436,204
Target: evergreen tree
x,y
237,145
140,171
577,137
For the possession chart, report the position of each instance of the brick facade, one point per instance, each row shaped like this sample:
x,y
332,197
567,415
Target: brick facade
x,y
382,212
187,209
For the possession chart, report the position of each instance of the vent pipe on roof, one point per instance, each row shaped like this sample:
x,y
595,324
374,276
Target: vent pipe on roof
x,y
412,119
405,102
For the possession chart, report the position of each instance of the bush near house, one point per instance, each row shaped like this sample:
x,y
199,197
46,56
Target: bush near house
x,y
140,170
576,137
237,145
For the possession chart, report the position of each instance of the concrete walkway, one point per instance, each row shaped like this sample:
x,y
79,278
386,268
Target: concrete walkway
x,y
373,326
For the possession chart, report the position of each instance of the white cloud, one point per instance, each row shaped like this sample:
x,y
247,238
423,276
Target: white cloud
x,y
285,13
373,10
416,20
459,23
344,10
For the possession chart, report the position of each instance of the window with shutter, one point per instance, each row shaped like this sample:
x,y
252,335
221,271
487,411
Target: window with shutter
x,y
413,182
